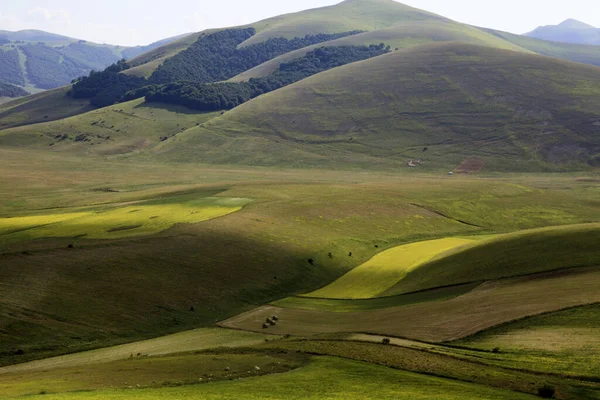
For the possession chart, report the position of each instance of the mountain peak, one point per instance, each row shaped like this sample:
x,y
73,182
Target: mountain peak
x,y
575,24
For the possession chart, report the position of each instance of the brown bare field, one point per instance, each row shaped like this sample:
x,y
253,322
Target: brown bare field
x,y
470,165
491,304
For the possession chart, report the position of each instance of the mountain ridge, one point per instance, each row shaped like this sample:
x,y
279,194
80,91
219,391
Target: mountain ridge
x,y
37,60
568,31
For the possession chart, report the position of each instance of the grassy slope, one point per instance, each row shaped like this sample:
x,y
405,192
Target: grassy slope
x,y
155,372
406,35
379,273
145,64
349,15
564,342
353,305
131,220
470,101
188,341
124,128
337,377
46,106
489,305
509,255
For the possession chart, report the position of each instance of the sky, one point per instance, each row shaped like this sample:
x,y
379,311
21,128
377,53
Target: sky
x,y
140,22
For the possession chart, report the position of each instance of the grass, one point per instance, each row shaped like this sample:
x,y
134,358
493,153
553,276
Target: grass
x,y
188,341
563,342
347,16
459,370
236,262
406,35
149,372
489,305
341,305
337,379
129,127
379,274
139,219
46,106
508,255
378,114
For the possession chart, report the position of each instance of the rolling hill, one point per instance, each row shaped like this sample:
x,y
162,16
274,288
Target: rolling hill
x,y
442,103
289,37
387,21
569,31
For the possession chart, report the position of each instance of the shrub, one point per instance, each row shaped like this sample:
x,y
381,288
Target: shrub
x,y
496,350
546,392
386,341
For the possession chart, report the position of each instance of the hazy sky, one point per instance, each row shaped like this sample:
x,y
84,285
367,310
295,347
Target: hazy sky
x,y
133,22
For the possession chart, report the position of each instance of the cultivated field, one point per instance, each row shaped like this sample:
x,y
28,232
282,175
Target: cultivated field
x,y
488,305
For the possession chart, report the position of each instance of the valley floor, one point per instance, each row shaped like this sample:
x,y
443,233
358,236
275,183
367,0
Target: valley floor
x,y
115,276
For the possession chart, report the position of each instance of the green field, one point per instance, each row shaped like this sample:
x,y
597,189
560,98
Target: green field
x,y
424,224
565,342
337,379
520,253
137,219
380,273
341,305
492,303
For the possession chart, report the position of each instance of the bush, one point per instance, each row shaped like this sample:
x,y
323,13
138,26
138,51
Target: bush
x,y
386,341
496,350
7,90
546,392
216,57
219,96
10,66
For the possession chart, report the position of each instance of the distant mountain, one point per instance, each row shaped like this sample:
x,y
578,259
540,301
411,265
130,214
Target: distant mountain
x,y
570,31
33,59
32,35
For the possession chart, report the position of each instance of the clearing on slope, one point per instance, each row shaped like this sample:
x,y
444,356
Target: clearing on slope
x,y
470,101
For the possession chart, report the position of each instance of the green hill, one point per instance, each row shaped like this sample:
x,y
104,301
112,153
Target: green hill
x,y
439,104
349,15
407,34
45,106
521,253
207,57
